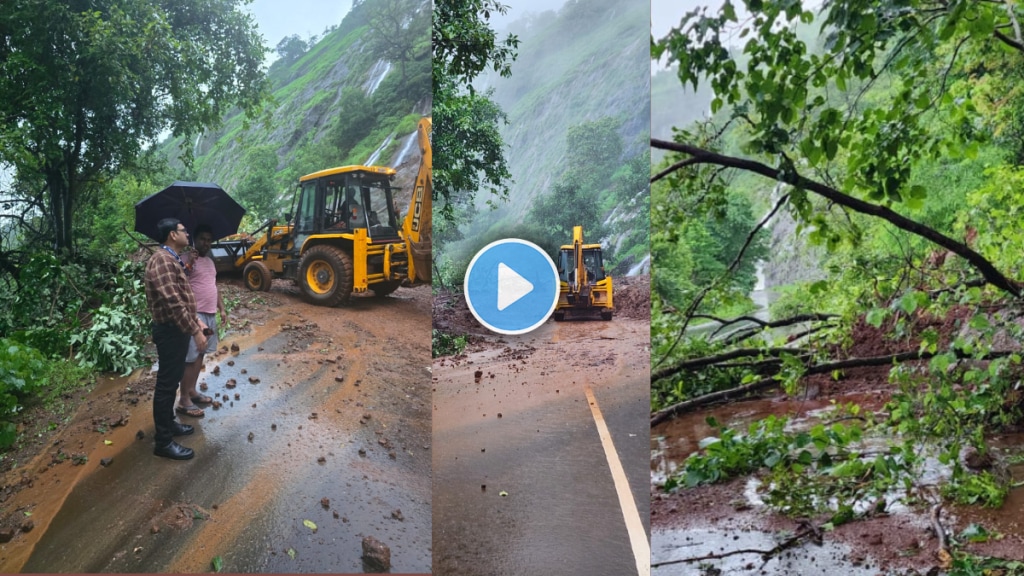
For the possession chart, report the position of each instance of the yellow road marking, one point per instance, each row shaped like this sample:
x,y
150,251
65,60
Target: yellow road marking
x,y
635,528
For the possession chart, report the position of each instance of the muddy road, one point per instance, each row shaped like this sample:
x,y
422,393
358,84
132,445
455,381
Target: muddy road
x,y
540,464
322,437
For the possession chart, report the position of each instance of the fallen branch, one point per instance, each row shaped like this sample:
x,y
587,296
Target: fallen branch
x,y
790,176
723,395
703,362
766,555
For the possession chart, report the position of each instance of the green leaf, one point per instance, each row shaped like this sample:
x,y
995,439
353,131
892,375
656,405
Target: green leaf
x,y
218,563
980,322
291,553
309,524
876,316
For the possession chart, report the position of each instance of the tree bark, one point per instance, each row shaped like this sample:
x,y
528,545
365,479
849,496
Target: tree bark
x,y
722,395
987,270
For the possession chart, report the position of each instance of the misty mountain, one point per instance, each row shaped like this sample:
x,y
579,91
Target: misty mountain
x,y
673,106
581,63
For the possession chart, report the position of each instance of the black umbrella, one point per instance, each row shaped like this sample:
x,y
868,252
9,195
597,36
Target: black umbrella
x,y
193,203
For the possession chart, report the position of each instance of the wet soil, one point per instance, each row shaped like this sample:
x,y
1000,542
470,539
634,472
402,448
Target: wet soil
x,y
728,517
322,437
522,485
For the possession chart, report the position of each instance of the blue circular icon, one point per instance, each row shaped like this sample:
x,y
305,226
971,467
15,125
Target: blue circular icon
x,y
511,286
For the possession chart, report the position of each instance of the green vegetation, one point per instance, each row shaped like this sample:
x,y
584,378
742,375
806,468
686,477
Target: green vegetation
x,y
72,304
893,168
444,344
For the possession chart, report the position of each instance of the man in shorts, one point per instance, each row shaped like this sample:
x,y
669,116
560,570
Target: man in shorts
x,y
208,302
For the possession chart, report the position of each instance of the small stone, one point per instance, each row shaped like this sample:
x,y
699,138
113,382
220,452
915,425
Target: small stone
x,y
232,362
339,378
254,380
376,554
27,525
216,370
203,386
154,529
238,396
397,515
106,462
243,371
234,347
251,436
6,534
273,426
336,515
321,460
140,435
362,451
499,414
326,503
230,383
392,455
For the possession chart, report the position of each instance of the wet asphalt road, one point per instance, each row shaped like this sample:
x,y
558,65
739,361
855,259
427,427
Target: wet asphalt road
x,y
245,499
561,514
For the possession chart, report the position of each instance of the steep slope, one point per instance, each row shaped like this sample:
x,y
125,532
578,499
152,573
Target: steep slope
x,y
339,77
583,63
587,61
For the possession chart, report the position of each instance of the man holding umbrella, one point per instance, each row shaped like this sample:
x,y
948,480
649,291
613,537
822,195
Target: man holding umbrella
x,y
175,322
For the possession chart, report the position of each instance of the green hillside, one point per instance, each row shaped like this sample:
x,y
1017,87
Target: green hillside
x,y
583,64
335,103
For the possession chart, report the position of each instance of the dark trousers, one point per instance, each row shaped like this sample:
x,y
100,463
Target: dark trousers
x,y
171,349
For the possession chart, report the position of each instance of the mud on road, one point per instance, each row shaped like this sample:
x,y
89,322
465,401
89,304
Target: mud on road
x,y
522,482
322,437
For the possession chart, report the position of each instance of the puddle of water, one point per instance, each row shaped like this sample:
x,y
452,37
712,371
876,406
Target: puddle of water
x,y
803,559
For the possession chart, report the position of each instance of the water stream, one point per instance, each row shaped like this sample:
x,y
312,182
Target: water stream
x,y
409,140
380,70
376,153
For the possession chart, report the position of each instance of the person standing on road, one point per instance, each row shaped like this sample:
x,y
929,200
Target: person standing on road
x,y
173,307
203,280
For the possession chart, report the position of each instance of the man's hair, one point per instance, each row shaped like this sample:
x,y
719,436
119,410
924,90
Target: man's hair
x,y
202,228
165,227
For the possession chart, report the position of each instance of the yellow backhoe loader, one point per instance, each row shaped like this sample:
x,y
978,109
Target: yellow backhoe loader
x,y
584,287
346,235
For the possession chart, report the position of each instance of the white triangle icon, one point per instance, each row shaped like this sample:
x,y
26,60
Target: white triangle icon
x,y
511,286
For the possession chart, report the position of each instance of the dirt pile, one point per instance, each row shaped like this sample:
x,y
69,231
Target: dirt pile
x,y
632,297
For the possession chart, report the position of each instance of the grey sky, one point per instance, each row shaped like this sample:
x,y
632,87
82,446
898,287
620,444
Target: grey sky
x,y
277,19
519,8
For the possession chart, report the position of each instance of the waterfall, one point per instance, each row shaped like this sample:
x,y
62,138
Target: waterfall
x,y
409,140
640,267
195,147
376,153
380,69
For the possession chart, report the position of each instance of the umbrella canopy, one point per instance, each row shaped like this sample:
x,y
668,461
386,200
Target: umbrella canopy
x,y
193,203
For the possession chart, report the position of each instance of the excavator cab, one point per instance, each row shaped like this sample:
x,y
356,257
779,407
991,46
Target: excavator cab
x,y
584,287
346,236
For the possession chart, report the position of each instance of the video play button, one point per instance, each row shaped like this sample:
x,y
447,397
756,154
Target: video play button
x,y
511,286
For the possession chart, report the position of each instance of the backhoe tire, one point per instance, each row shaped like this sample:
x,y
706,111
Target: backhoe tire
x,y
606,315
382,289
257,276
559,316
325,275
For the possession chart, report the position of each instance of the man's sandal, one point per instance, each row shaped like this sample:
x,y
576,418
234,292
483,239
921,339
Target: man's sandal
x,y
202,399
193,411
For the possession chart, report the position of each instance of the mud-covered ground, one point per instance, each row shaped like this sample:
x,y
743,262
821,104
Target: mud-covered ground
x,y
320,435
722,518
523,481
